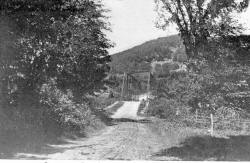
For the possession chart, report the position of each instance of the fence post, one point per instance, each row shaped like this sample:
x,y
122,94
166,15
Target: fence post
x,y
212,124
244,127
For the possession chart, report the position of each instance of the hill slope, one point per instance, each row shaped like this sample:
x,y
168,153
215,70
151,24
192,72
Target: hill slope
x,y
139,58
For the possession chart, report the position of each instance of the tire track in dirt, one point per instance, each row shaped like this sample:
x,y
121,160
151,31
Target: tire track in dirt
x,y
130,139
124,141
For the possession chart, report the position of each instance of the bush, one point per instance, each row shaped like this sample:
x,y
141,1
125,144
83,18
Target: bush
x,y
52,111
61,108
162,108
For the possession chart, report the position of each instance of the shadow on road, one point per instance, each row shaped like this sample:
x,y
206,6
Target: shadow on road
x,y
199,148
38,145
132,120
46,150
13,144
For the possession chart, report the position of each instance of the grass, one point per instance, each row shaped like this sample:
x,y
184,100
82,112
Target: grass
x,y
204,148
192,143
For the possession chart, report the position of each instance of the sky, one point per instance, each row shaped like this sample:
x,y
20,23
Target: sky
x,y
133,23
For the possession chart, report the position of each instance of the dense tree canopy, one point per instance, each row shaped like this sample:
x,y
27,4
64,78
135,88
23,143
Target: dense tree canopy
x,y
199,21
56,39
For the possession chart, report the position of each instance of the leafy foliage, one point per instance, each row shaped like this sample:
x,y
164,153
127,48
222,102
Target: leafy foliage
x,y
200,22
62,109
214,48
163,108
56,39
52,54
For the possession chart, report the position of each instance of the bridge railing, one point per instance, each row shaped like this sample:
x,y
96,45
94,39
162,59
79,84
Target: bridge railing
x,y
135,84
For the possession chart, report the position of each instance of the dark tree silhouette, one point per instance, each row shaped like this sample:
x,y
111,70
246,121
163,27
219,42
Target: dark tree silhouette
x,y
56,39
200,21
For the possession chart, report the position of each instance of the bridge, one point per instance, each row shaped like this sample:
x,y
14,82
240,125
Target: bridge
x,y
135,84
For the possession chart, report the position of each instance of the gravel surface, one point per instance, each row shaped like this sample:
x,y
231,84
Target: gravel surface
x,y
129,138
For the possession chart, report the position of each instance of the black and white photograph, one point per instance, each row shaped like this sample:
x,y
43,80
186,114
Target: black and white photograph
x,y
125,80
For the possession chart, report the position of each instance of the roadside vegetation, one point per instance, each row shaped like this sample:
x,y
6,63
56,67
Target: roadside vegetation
x,y
213,95
53,63
218,69
56,76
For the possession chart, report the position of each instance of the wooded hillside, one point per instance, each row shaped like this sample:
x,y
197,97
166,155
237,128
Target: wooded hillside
x,y
140,57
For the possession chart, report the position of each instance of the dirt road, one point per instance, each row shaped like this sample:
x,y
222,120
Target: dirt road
x,y
128,110
130,138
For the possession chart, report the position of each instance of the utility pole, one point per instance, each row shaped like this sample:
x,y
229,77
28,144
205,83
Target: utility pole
x,y
123,84
148,85
128,85
196,115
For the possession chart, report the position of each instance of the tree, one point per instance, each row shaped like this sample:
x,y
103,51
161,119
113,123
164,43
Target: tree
x,y
214,49
200,21
57,39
